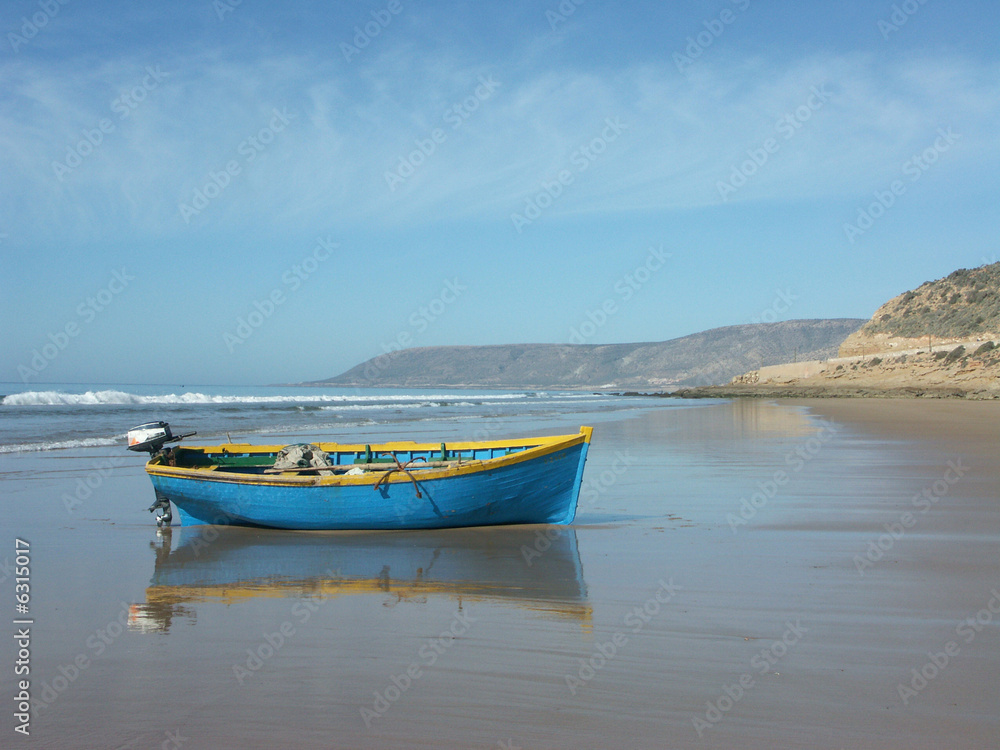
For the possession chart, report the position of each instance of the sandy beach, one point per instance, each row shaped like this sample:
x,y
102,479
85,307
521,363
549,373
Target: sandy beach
x,y
753,574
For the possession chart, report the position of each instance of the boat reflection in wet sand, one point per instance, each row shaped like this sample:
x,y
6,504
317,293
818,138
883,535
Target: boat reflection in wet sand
x,y
532,567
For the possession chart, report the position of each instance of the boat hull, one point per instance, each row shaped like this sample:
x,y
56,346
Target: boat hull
x,y
523,489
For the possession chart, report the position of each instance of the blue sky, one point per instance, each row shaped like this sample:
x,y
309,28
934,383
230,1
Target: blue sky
x,y
254,192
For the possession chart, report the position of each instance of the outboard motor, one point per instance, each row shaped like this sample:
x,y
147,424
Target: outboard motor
x,y
151,437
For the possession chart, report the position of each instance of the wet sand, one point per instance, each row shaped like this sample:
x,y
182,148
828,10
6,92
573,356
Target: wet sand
x,y
749,574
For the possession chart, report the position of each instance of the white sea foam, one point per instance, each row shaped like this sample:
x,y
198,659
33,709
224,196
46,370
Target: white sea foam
x,y
122,398
374,407
58,445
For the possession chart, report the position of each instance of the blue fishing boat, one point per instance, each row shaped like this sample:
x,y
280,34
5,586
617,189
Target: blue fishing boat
x,y
397,485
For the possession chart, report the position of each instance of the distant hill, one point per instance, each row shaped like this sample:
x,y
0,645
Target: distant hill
x,y
705,358
963,305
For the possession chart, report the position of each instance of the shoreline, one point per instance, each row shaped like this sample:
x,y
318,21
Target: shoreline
x,y
786,390
824,391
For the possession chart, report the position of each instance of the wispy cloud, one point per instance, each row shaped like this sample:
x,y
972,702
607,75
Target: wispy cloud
x,y
351,126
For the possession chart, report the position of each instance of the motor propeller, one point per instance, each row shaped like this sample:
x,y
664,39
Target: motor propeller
x,y
162,504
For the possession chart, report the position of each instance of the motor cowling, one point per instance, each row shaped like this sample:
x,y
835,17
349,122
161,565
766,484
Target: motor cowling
x,y
152,436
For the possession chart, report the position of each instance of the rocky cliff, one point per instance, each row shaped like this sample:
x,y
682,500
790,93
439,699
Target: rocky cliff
x,y
940,339
962,307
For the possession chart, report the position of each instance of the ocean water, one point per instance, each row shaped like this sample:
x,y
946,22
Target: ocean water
x,y
67,416
739,574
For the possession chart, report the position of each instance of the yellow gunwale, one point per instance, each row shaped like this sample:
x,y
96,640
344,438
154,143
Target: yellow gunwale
x,y
543,447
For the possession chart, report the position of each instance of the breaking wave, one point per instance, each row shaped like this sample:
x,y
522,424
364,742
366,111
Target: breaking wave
x,y
59,445
122,398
